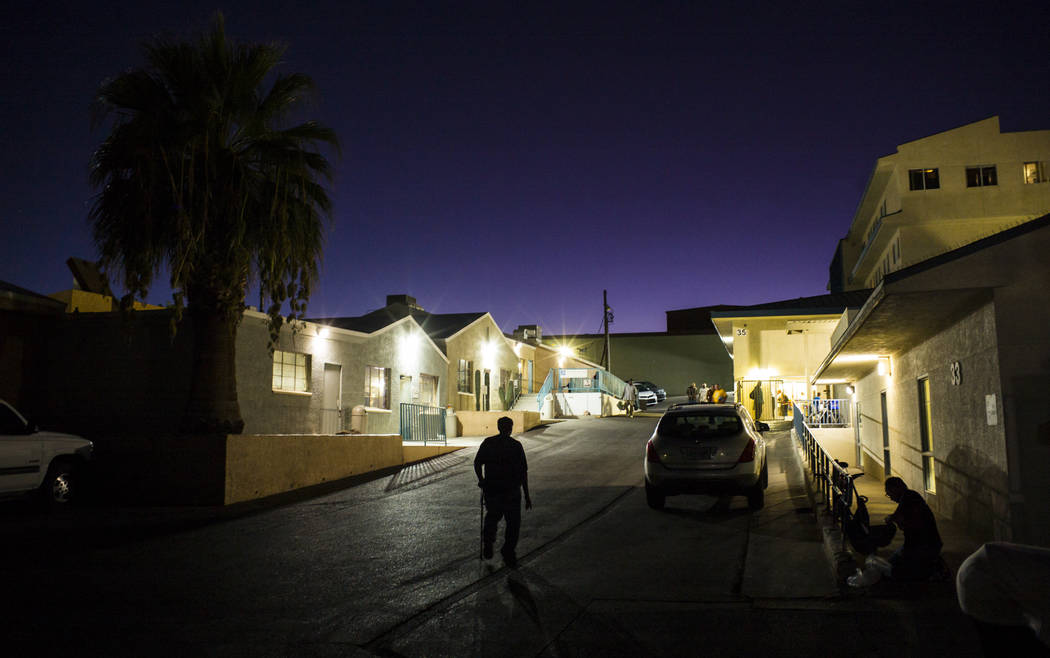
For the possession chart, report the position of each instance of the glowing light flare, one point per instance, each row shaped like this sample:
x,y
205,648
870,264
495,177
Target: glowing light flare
x,y
855,358
323,332
565,351
488,355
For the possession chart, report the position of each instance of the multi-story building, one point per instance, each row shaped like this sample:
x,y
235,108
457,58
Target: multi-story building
x,y
939,193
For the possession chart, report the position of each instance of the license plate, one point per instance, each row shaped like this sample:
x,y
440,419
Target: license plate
x,y
691,452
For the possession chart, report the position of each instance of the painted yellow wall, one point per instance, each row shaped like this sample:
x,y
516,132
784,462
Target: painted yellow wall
x,y
259,466
483,423
83,301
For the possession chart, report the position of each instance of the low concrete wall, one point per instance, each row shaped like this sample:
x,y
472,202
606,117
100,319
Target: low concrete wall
x,y
483,423
221,470
419,453
258,465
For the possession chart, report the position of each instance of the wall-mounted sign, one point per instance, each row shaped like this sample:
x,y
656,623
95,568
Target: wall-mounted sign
x,y
741,332
956,369
991,410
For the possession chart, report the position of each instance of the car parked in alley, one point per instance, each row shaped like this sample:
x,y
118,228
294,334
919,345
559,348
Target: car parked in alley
x,y
35,461
661,394
706,449
646,397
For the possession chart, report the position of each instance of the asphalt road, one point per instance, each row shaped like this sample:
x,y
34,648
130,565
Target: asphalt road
x,y
390,567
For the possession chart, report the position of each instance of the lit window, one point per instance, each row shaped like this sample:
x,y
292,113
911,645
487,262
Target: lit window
x,y
1034,172
291,371
924,179
926,436
428,390
981,176
463,376
377,387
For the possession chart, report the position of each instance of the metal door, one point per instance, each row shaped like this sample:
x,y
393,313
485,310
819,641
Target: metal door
x,y
885,437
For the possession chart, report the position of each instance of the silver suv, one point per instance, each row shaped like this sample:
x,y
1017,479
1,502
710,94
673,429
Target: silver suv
x,y
36,461
706,449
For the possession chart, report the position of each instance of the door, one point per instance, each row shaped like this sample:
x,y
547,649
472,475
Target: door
x,y
856,433
332,399
530,377
885,437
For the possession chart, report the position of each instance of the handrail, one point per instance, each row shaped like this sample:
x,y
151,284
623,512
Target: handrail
x,y
833,481
545,390
831,412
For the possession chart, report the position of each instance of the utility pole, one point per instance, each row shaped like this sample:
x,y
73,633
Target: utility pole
x,y
606,319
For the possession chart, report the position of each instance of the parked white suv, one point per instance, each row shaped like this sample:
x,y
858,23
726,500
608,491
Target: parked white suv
x,y
35,461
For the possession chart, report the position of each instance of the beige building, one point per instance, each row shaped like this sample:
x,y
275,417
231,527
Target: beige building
x,y
779,347
950,359
941,192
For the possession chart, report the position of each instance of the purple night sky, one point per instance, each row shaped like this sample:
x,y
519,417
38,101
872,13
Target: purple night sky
x,y
518,158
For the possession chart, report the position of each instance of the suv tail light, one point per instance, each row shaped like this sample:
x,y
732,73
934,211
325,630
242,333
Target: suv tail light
x,y
650,453
749,452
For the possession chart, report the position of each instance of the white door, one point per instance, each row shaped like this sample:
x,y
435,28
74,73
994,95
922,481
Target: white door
x,y
332,399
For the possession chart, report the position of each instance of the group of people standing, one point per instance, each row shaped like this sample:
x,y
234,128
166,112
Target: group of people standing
x,y
714,394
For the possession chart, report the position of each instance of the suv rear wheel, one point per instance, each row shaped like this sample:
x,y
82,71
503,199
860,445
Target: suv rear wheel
x,y
654,497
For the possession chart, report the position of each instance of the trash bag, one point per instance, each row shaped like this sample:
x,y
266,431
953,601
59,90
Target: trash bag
x,y
870,575
864,537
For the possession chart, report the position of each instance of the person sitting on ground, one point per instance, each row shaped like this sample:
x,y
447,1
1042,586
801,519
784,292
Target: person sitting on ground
x,y
920,556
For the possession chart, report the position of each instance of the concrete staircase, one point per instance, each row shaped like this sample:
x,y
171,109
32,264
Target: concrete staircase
x,y
526,402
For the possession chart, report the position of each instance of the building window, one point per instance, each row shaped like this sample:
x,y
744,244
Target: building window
x,y
463,376
1034,172
924,179
926,436
981,176
291,371
377,387
428,390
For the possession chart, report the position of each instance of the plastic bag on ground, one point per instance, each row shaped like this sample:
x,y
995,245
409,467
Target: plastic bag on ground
x,y
869,576
882,564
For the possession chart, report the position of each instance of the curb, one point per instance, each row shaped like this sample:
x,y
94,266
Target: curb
x,y
841,560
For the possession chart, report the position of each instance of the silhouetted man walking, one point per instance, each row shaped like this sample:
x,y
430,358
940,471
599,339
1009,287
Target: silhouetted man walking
x,y
505,476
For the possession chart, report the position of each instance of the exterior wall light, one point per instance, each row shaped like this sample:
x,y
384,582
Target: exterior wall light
x,y
323,332
884,366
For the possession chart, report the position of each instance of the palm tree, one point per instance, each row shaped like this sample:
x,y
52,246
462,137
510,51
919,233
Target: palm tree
x,y
201,173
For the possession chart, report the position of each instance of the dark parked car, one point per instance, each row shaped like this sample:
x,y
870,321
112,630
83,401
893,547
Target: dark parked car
x,y
661,394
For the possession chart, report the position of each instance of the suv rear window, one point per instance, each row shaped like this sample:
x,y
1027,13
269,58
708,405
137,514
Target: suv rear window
x,y
700,426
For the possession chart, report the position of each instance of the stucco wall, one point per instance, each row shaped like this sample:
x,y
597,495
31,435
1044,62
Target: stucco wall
x,y
470,344
403,348
484,423
259,466
970,457
668,360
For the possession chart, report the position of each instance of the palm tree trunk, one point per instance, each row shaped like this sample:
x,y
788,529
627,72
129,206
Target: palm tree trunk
x,y
213,405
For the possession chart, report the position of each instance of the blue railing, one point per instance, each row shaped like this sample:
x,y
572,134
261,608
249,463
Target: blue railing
x,y
545,390
832,479
422,423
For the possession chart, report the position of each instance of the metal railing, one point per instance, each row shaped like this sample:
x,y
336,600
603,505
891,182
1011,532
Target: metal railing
x,y
545,390
825,413
832,479
422,423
